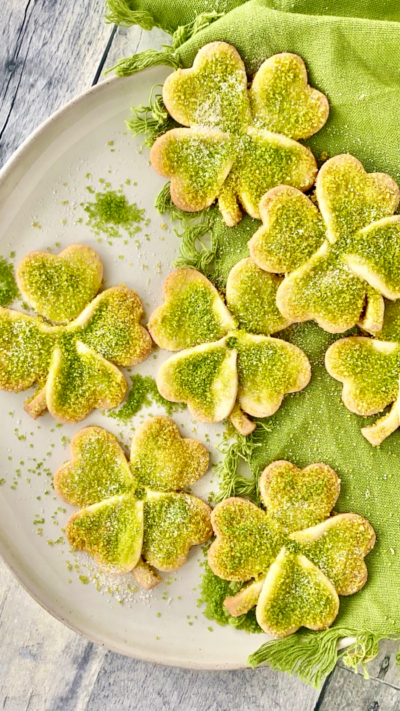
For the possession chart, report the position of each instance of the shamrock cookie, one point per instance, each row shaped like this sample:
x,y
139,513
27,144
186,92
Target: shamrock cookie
x,y
133,515
74,365
244,368
370,370
238,143
338,262
297,557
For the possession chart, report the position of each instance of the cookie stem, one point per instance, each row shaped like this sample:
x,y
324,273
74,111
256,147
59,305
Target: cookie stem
x,y
383,427
245,599
38,405
241,422
145,576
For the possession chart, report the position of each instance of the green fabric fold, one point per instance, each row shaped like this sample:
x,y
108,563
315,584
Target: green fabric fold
x,y
352,51
166,14
169,15
354,61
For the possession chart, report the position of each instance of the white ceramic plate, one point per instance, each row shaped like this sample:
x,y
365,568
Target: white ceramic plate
x,y
53,167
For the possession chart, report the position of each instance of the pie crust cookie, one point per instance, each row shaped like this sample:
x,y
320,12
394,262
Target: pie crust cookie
x,y
74,363
339,261
135,516
237,142
245,370
296,557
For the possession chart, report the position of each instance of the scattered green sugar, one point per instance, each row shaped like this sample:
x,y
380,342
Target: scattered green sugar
x,y
142,393
112,212
213,592
8,286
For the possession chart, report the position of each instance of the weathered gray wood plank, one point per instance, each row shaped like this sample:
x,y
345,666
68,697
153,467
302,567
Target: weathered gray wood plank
x,y
168,689
44,665
384,667
347,691
49,53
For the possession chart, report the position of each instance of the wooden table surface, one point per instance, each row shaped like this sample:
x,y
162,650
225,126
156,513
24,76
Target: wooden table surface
x,y
49,52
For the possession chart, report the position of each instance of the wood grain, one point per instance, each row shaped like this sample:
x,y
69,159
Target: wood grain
x,y
347,691
44,665
384,667
49,52
168,689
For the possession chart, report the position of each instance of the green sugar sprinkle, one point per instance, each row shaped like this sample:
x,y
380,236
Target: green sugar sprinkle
x,y
8,286
111,212
213,592
142,394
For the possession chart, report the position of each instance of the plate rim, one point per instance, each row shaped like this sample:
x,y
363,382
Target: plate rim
x,y
16,155
5,552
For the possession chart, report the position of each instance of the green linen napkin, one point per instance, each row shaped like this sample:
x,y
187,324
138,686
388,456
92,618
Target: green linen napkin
x,y
352,51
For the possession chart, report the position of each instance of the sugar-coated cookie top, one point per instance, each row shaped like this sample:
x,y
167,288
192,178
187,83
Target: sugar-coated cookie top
x,y
59,287
74,364
339,262
238,143
135,509
218,365
299,557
